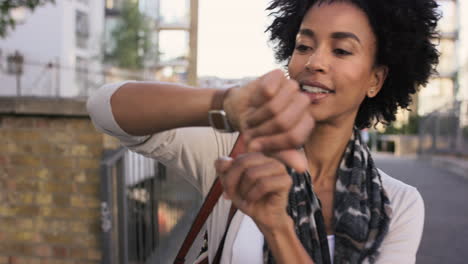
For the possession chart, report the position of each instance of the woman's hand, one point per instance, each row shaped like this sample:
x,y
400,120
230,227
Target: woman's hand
x,y
273,116
258,186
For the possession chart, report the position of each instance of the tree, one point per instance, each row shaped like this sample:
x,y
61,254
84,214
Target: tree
x,y
6,6
131,38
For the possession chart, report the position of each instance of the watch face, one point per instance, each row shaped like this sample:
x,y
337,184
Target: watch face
x,y
217,120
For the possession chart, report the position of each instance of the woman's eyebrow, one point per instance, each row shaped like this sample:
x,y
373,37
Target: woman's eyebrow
x,y
306,32
345,35
335,35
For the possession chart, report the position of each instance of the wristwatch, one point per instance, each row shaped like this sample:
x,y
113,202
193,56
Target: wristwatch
x,y
217,116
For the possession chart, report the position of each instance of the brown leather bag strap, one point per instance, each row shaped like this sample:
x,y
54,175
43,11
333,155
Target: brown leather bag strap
x,y
208,205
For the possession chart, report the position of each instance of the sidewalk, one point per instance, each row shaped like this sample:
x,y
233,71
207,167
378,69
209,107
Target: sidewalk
x,y
455,165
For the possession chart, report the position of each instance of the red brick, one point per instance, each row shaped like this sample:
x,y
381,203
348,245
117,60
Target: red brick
x,y
62,200
25,160
78,253
13,260
3,260
94,254
60,252
43,251
90,138
58,162
16,122
4,161
41,123
26,136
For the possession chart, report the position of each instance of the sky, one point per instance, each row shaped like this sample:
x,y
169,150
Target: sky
x,y
231,39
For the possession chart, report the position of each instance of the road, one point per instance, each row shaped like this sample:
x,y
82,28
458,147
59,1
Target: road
x,y
445,237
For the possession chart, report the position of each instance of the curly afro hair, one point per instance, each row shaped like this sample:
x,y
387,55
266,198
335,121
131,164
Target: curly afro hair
x,y
404,30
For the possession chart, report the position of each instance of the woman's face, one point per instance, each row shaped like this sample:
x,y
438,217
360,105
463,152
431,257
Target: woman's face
x,y
333,60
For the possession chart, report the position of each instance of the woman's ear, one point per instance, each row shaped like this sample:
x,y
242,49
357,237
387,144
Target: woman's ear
x,y
379,76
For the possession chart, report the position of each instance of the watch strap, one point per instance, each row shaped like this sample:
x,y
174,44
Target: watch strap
x,y
218,99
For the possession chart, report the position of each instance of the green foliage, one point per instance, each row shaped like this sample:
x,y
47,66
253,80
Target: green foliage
x,y
410,128
6,21
131,37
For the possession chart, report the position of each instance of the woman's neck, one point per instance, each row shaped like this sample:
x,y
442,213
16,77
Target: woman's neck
x,y
324,150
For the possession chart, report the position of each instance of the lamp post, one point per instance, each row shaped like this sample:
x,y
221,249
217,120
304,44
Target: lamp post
x,y
15,66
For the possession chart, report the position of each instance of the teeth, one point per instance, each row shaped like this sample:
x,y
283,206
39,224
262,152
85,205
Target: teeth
x,y
313,89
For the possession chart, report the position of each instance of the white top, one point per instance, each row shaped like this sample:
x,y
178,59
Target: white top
x,y
249,241
191,152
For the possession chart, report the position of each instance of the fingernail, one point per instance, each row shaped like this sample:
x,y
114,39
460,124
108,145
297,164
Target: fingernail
x,y
226,158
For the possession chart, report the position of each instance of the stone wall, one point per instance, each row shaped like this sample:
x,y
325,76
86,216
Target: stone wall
x,y
49,182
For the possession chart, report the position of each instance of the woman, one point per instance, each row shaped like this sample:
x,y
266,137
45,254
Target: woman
x,y
349,63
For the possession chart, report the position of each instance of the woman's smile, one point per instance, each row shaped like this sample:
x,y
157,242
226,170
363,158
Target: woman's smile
x,y
316,91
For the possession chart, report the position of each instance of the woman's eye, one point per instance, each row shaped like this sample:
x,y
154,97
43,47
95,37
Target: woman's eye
x,y
342,52
302,48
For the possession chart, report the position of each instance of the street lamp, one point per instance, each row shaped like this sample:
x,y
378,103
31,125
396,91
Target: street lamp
x,y
15,64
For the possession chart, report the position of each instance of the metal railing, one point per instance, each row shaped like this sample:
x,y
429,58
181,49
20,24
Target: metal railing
x,y
31,75
145,210
442,131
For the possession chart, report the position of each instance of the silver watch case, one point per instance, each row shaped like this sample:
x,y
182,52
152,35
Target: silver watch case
x,y
219,121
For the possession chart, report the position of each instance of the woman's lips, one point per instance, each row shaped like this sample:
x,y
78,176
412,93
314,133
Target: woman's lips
x,y
316,97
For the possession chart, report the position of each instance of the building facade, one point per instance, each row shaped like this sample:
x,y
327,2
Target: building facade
x,y
58,47
173,55
448,91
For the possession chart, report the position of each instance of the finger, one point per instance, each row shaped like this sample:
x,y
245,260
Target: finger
x,y
293,138
293,159
268,86
285,120
222,164
231,178
276,184
252,175
276,105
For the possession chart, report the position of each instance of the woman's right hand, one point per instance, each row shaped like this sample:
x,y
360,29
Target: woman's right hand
x,y
273,116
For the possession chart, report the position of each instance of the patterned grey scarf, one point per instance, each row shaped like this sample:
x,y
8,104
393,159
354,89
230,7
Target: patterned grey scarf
x,y
361,210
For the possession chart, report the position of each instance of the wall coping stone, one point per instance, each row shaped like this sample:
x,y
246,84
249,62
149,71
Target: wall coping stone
x,y
49,106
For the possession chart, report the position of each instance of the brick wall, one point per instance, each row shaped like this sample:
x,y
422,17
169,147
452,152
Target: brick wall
x,y
49,186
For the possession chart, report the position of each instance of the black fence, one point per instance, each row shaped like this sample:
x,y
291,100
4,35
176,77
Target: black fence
x,y
146,210
443,131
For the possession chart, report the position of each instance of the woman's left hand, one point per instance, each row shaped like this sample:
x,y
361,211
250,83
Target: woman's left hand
x,y
258,186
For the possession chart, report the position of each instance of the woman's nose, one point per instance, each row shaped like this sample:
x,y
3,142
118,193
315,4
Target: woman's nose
x,y
317,62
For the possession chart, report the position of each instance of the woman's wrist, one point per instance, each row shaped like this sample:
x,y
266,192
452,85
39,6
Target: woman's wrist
x,y
280,226
284,243
229,106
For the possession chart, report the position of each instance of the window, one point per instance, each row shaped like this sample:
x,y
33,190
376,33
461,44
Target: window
x,y
447,61
173,45
81,73
175,12
81,29
448,21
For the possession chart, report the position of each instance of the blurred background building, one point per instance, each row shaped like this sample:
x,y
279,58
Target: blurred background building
x,y
438,120
50,50
70,48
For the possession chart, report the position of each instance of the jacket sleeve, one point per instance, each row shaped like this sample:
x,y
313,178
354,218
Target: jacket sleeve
x,y
406,226
189,152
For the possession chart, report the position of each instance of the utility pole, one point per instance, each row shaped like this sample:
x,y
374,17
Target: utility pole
x,y
193,43
16,62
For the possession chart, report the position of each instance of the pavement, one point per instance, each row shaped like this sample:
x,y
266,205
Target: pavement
x,y
445,195
455,165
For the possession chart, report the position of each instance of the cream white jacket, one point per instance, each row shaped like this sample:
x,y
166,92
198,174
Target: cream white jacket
x,y
191,152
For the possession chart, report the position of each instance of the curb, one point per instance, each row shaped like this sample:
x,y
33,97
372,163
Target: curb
x,y
453,165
